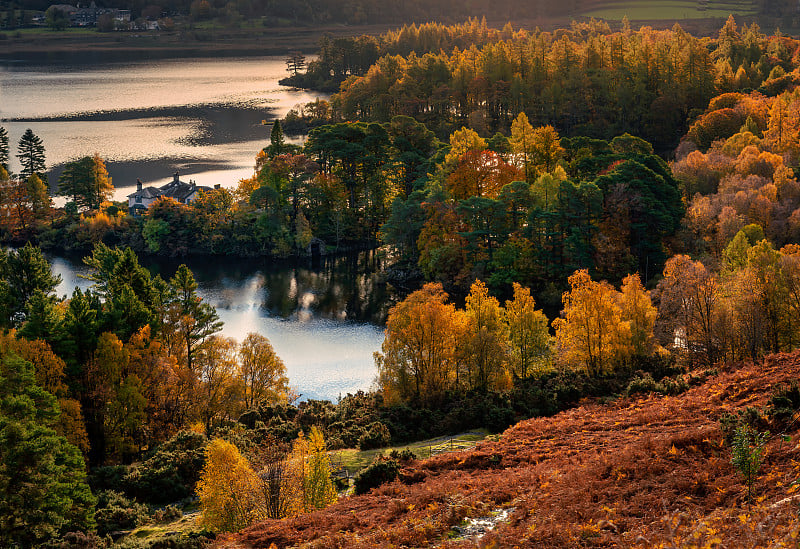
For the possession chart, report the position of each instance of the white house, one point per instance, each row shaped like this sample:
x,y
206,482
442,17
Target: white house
x,y
176,189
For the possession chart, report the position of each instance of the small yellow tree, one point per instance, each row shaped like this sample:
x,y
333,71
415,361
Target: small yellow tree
x,y
528,336
484,343
308,485
228,489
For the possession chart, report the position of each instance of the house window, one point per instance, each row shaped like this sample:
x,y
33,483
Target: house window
x,y
138,199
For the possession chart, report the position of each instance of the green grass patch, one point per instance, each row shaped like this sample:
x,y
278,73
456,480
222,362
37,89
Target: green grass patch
x,y
670,10
353,460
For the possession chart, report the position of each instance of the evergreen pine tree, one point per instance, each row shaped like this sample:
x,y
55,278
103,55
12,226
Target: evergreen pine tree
x,y
30,152
43,491
197,320
277,144
26,271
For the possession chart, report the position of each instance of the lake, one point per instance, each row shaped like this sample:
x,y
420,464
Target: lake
x,y
203,117
149,118
323,319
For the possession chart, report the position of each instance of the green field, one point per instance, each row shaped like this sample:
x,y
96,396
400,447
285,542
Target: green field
x,y
352,460
676,9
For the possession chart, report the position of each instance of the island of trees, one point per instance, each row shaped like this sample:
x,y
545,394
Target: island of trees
x,y
612,212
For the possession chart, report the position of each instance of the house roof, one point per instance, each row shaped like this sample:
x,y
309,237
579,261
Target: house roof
x,y
177,189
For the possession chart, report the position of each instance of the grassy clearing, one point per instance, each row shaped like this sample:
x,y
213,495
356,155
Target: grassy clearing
x,y
689,9
181,528
353,460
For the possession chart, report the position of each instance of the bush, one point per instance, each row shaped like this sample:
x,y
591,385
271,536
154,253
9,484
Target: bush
x,y
171,471
646,384
76,540
749,417
381,471
116,512
376,436
403,456
783,405
169,513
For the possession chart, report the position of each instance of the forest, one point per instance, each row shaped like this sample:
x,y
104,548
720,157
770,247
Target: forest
x,y
571,215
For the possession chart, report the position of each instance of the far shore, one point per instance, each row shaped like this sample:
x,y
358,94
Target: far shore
x,y
51,46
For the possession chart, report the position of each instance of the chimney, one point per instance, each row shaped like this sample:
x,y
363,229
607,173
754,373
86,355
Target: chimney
x,y
138,185
175,180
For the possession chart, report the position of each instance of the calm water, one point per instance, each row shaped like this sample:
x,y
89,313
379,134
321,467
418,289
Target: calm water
x,y
323,320
150,118
204,118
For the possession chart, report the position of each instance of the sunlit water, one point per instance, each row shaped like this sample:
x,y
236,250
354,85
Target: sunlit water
x,y
150,118
204,118
322,321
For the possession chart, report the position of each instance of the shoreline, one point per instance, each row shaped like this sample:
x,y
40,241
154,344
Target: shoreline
x,y
47,46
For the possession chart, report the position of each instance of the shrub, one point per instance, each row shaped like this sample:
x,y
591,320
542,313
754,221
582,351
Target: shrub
x,y
116,512
171,471
403,455
749,417
381,471
376,436
169,513
76,540
785,402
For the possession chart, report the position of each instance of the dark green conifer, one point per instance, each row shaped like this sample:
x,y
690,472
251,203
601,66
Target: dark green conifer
x,y
30,152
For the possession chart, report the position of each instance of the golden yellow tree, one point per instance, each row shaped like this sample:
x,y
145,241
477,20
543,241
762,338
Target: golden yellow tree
x,y
528,336
229,489
262,372
591,330
521,142
546,149
218,390
639,312
419,359
461,142
484,343
308,485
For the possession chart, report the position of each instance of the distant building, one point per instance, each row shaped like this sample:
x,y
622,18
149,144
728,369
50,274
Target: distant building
x,y
176,189
87,16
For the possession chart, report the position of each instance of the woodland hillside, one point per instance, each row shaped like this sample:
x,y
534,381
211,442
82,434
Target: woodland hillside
x,y
643,471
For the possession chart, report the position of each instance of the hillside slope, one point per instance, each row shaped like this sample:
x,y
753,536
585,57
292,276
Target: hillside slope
x,y
641,472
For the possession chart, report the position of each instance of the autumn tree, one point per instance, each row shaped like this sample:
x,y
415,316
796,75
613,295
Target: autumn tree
x,y
262,372
522,142
480,173
484,343
309,480
529,339
86,182
216,368
38,198
640,314
546,149
228,489
461,142
591,330
419,358
688,309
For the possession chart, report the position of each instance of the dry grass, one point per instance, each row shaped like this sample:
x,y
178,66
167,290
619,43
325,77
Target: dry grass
x,y
644,472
